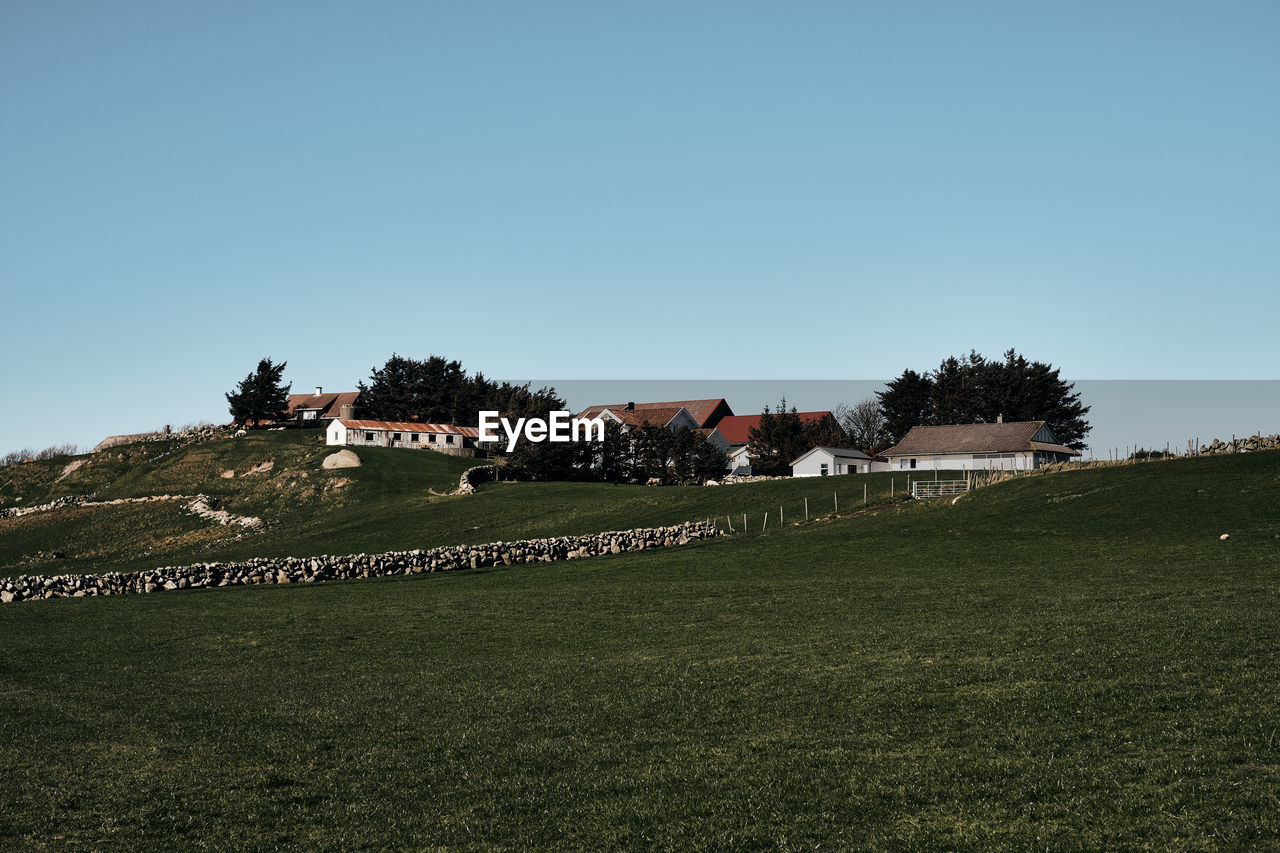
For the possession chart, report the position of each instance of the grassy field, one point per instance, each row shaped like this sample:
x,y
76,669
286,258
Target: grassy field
x,y
1064,661
396,500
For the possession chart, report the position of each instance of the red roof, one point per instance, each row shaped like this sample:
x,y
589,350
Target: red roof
x,y
328,405
735,428
701,411
653,416
404,426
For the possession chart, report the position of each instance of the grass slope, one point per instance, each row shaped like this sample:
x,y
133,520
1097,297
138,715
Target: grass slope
x,y
396,500
1071,661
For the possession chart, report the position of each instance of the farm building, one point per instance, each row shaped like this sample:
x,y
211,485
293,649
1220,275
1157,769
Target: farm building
x,y
1017,445
447,438
733,433
671,417
702,414
312,410
824,461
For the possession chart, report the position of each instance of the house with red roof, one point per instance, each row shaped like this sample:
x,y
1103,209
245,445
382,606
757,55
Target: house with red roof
x,y
630,416
733,434
735,431
318,409
704,414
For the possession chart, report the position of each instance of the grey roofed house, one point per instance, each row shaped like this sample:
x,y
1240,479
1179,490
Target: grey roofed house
x,y
1016,445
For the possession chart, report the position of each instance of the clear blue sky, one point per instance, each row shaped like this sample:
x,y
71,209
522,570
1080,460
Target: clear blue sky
x,y
660,190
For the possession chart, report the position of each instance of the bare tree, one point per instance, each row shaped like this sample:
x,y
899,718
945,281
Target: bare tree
x,y
865,423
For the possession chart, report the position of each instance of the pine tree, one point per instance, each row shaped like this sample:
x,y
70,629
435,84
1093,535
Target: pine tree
x,y
779,438
259,397
905,403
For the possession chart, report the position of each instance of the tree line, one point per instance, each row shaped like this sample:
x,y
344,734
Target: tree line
x,y
439,390
971,389
974,389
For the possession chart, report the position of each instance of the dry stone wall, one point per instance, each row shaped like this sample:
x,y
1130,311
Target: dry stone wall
x,y
473,477
325,568
194,435
1251,444
200,505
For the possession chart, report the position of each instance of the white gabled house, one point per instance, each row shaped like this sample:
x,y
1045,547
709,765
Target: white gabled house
x,y
740,461
447,438
1016,446
830,461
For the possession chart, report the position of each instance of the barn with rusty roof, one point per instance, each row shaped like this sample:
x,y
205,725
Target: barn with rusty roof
x,y
448,438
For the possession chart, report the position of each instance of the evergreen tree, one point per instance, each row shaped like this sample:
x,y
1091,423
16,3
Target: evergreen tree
x,y
259,397
779,438
953,397
905,402
975,390
709,462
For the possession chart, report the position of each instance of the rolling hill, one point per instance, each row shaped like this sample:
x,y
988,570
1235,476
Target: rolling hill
x,y
1069,660
396,500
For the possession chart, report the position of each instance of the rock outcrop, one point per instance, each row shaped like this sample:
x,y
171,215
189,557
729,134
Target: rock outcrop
x,y
341,459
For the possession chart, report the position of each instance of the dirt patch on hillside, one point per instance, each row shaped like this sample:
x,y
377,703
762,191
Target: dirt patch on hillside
x,y
260,468
72,467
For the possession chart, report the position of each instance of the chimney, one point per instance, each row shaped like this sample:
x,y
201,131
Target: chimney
x,y
999,417
631,407
319,390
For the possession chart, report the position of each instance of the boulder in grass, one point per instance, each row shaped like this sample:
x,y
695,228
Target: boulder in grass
x,y
341,459
1224,537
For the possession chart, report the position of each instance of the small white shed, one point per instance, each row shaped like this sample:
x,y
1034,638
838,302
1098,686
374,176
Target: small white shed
x,y
830,461
740,461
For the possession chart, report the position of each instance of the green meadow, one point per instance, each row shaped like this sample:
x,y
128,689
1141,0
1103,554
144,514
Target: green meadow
x,y
1071,660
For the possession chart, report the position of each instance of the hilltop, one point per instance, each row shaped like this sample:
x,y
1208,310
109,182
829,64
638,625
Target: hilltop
x,y
396,499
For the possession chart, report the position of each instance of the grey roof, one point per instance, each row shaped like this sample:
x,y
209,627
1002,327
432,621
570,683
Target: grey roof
x,y
966,438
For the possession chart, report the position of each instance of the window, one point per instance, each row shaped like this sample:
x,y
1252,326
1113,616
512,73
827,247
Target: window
x,y
309,415
414,437
822,469
395,436
368,437
937,461
448,439
913,463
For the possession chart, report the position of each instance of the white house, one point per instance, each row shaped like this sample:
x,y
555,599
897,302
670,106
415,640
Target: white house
x,y
455,440
1017,446
824,461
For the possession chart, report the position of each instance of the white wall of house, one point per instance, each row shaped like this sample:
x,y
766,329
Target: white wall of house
x,y
1015,461
338,433
739,461
822,463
